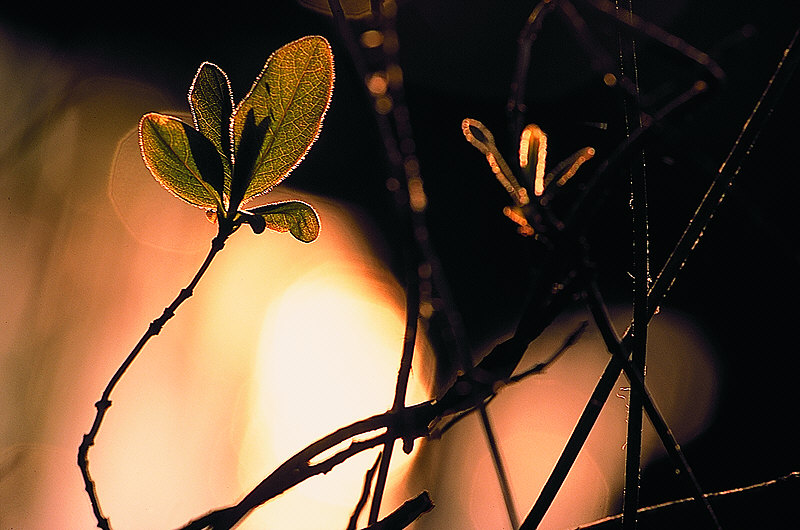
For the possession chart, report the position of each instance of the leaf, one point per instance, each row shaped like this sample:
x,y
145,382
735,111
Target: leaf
x,y
211,103
533,156
286,104
296,217
181,159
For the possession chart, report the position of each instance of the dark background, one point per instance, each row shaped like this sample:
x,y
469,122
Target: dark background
x,y
740,283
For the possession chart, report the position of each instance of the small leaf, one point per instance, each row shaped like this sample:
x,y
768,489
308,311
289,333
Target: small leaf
x,y
181,159
250,142
287,102
532,156
296,217
211,103
559,175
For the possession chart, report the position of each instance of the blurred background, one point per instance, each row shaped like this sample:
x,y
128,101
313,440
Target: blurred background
x,y
283,342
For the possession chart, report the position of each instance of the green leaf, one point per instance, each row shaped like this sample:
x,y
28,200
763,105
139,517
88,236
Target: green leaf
x,y
283,111
296,217
181,159
211,103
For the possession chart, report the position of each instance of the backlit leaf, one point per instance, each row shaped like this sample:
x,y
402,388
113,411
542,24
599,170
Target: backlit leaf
x,y
181,159
211,103
283,111
296,217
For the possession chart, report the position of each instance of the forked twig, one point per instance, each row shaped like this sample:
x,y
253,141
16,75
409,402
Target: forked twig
x,y
105,400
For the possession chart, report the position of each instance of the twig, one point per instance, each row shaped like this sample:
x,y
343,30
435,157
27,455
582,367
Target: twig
x,y
641,272
392,145
403,374
105,400
620,353
669,511
362,500
497,459
727,172
636,379
536,369
516,104
541,367
406,514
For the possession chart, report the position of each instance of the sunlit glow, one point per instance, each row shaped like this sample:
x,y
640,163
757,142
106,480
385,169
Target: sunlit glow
x,y
328,356
280,344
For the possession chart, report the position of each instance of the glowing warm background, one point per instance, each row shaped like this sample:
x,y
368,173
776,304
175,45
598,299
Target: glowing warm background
x,y
282,343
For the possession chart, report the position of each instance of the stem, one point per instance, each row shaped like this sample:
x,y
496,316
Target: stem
x,y
738,500
727,172
403,374
362,500
105,400
502,476
619,352
641,273
405,514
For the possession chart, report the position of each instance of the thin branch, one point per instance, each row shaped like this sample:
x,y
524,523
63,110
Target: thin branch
x,y
641,271
620,354
636,379
727,172
648,30
362,500
406,514
105,400
541,367
497,459
670,511
516,102
412,288
403,374
438,432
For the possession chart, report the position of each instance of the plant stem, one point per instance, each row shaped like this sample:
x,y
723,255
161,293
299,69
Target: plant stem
x,y
105,400
403,374
641,272
619,352
502,476
362,500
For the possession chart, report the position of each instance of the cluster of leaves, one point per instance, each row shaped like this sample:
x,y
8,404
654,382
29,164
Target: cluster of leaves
x,y
233,154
